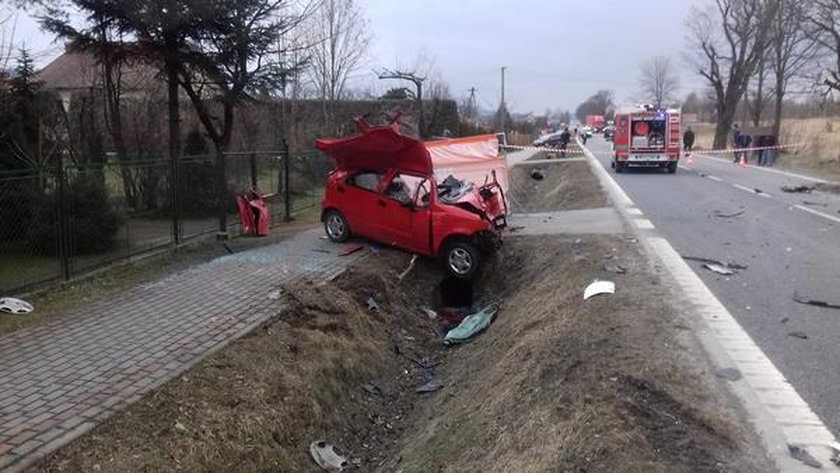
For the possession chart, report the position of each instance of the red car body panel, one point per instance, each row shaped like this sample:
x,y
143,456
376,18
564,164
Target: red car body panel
x,y
476,213
377,148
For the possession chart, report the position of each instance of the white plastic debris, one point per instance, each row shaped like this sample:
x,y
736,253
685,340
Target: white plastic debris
x,y
599,287
15,306
326,457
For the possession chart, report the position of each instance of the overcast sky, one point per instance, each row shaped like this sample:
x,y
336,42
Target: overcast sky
x,y
557,52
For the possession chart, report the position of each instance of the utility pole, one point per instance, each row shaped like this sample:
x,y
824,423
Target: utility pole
x,y
502,106
471,104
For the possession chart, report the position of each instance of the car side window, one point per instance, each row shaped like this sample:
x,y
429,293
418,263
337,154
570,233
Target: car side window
x,y
404,188
366,180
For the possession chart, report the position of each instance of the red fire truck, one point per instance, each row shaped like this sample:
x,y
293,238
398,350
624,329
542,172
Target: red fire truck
x,y
646,136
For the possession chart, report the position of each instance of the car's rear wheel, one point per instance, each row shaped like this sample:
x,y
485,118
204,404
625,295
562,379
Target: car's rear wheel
x,y
461,258
336,226
672,168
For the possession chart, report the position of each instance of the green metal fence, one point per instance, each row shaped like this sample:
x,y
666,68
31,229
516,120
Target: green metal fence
x,y
57,221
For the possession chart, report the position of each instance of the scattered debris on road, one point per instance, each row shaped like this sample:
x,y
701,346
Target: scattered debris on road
x,y
719,269
227,248
537,175
11,305
598,287
321,250
516,228
799,452
784,320
371,303
326,456
700,259
409,268
431,385
615,268
472,324
801,189
814,204
718,213
729,374
350,249
814,302
372,388
799,335
274,295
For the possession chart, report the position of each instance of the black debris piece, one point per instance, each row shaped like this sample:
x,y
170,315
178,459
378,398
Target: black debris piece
x,y
718,213
537,175
799,335
700,259
802,189
814,302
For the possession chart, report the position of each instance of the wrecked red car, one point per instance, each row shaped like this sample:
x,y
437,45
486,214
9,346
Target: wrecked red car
x,y
384,188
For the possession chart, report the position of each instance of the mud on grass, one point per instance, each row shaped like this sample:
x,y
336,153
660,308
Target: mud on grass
x,y
565,186
257,404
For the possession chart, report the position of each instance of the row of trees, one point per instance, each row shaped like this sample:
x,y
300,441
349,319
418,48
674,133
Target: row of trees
x,y
758,50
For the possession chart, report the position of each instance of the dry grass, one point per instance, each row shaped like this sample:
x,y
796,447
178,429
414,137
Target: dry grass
x,y
256,405
558,384
566,186
821,138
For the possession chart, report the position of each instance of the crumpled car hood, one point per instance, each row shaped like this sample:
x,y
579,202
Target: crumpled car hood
x,y
378,148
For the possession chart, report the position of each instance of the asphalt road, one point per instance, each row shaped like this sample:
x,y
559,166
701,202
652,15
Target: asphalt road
x,y
786,246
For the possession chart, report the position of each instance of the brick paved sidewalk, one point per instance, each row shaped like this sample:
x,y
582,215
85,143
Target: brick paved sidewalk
x,y
59,379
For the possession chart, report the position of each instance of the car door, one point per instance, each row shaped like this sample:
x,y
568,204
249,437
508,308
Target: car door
x,y
404,214
359,195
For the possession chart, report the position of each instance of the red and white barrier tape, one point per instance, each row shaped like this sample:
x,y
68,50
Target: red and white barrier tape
x,y
548,149
744,150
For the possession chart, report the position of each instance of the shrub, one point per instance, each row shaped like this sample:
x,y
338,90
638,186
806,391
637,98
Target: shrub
x,y
93,222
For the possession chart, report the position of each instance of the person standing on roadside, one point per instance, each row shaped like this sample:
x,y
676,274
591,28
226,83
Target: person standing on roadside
x,y
688,140
736,142
565,137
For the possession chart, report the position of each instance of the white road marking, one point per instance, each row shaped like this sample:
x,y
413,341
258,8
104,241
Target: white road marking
x,y
788,410
766,169
780,415
634,211
643,224
818,213
753,191
714,178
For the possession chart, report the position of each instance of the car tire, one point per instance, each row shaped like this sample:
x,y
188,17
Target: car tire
x,y
619,168
461,259
336,226
672,168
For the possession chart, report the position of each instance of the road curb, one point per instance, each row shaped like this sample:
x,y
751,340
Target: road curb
x,y
778,414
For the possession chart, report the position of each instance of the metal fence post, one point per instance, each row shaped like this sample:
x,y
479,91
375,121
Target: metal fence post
x,y
221,189
175,191
287,209
63,220
253,159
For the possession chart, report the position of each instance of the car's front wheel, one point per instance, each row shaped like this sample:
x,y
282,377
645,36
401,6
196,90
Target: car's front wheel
x,y
461,258
336,227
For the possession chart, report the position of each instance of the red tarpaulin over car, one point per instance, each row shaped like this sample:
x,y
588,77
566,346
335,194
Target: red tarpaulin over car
x,y
378,148
472,158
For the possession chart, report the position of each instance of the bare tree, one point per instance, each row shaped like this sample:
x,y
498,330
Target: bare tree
x,y
417,80
729,40
339,41
657,80
792,51
824,20
756,98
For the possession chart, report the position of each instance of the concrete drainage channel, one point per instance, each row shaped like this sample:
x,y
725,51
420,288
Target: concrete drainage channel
x,y
795,438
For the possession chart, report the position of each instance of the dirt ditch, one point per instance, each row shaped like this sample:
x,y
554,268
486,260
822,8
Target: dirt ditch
x,y
562,186
556,384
